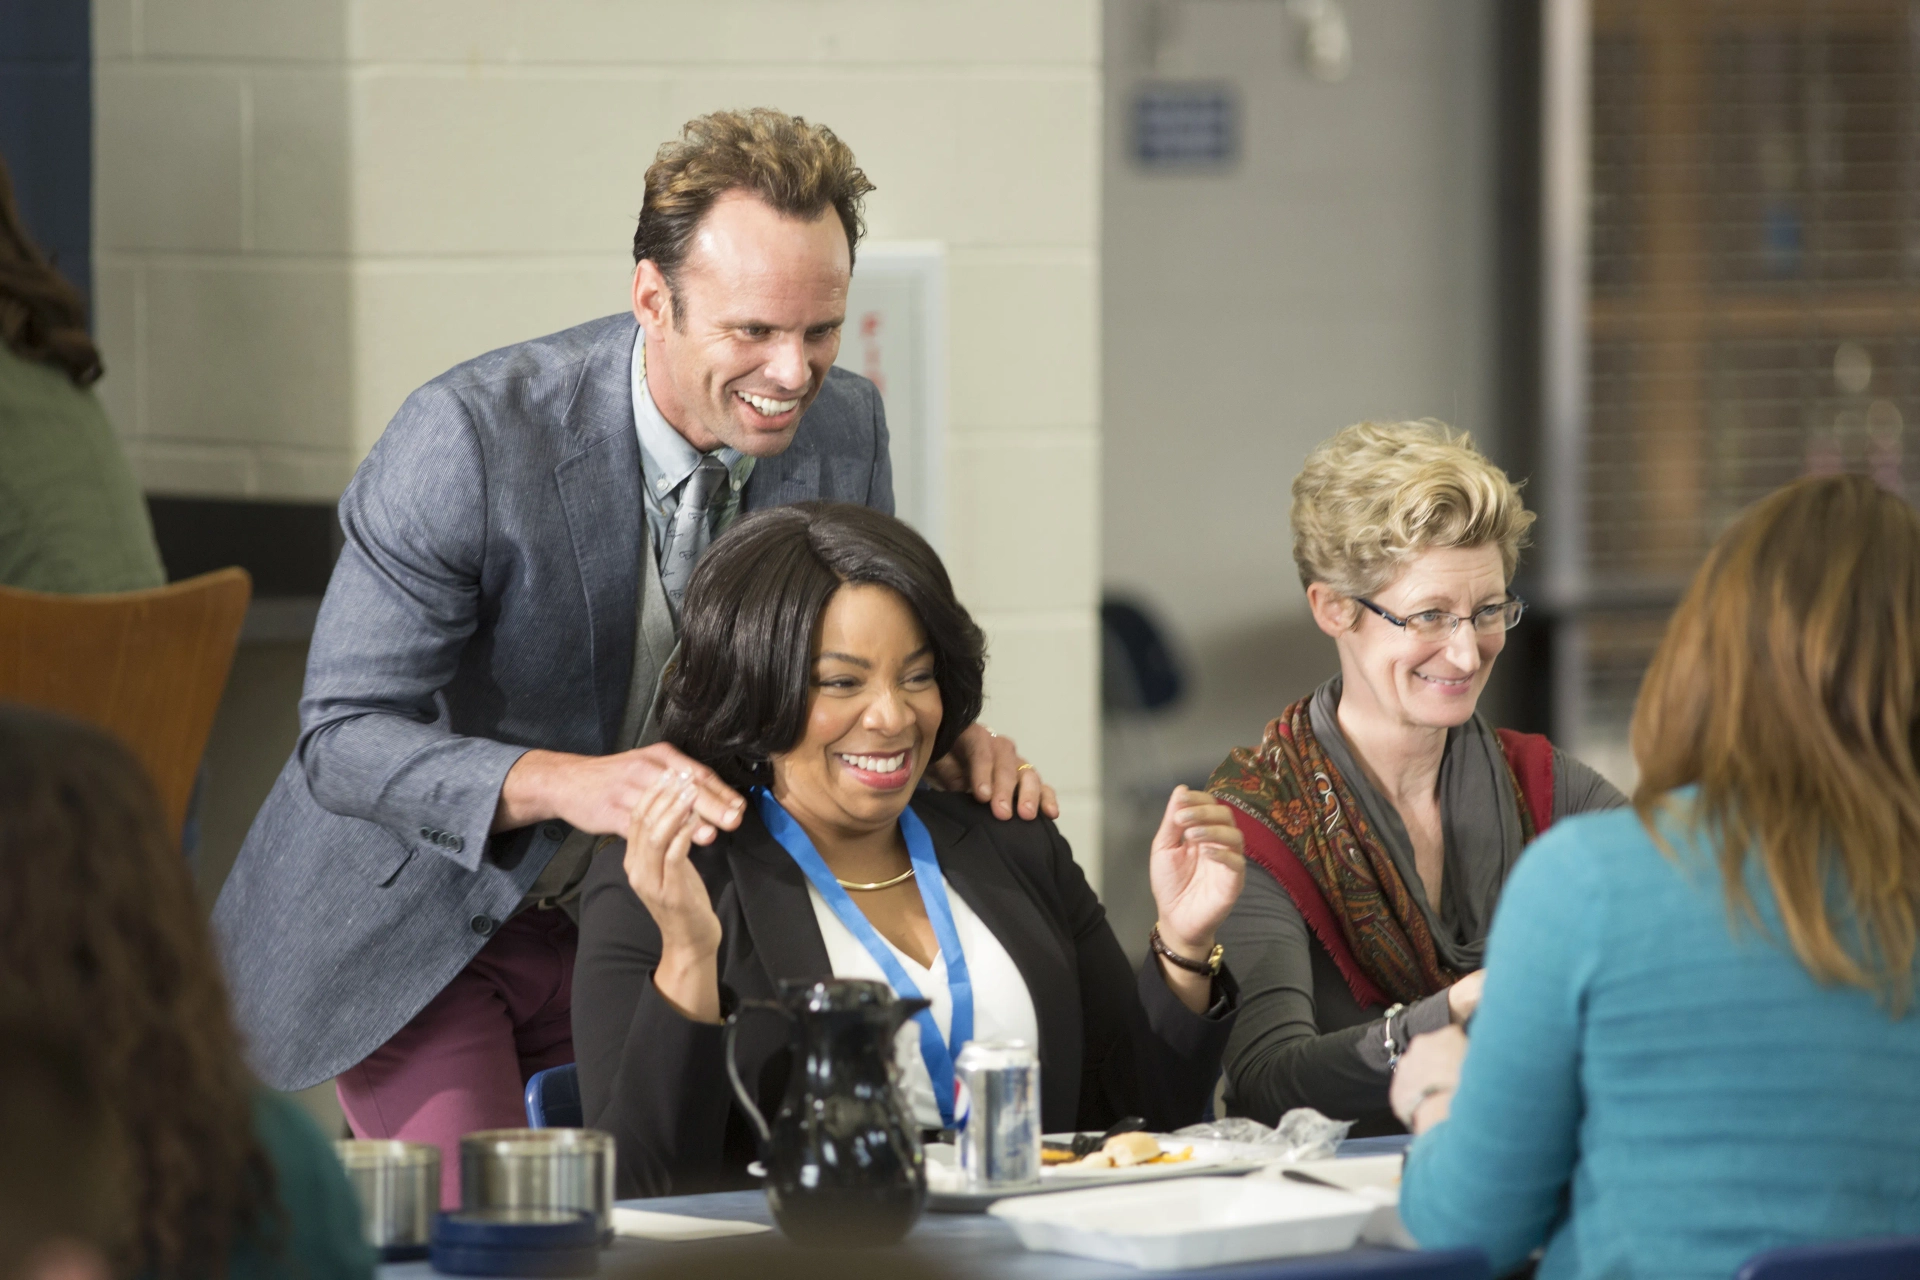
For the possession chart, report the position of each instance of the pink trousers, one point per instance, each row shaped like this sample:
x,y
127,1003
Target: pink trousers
x,y
462,1064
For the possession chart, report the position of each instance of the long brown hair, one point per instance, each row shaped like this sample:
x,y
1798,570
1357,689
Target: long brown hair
x,y
101,938
1785,690
42,317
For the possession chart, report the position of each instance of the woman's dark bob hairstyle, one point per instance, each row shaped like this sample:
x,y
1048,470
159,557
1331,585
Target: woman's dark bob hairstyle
x,y
738,693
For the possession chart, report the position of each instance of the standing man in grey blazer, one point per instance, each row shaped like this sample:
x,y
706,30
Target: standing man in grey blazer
x,y
477,714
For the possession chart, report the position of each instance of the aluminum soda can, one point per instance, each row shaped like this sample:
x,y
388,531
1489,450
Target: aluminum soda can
x,y
996,1108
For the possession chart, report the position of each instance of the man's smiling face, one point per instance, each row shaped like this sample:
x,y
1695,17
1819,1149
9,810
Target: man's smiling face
x,y
740,348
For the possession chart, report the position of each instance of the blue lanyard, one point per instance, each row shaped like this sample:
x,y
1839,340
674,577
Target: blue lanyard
x,y
933,894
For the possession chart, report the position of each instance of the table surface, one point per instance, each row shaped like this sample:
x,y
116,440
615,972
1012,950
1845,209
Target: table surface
x,y
986,1243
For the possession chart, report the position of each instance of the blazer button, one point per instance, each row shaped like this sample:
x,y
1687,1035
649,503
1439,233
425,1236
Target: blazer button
x,y
483,925
430,835
453,842
554,831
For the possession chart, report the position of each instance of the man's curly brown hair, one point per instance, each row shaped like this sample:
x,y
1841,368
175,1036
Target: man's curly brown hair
x,y
102,942
798,168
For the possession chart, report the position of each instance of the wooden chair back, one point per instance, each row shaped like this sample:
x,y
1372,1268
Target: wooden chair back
x,y
148,666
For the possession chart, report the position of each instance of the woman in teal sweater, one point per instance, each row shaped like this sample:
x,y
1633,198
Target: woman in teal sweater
x,y
1695,1041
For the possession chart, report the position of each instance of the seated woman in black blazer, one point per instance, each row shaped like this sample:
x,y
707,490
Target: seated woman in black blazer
x,y
824,661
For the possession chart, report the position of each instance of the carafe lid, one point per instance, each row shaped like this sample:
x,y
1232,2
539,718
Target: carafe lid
x,y
836,995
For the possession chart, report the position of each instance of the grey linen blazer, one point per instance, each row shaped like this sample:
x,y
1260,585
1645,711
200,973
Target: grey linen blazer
x,y
484,604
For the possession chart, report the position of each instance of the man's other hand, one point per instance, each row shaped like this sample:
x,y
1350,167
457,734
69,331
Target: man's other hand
x,y
600,794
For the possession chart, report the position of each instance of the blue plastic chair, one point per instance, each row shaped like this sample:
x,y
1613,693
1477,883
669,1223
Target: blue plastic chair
x,y
553,1099
1878,1258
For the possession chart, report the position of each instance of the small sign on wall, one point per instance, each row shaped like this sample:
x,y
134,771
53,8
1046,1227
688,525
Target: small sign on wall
x,y
1187,126
896,335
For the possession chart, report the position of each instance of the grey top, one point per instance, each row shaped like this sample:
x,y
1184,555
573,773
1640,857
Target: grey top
x,y
1302,1040
72,519
485,603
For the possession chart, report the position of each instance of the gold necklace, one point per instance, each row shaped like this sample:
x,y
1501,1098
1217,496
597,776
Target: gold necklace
x,y
902,878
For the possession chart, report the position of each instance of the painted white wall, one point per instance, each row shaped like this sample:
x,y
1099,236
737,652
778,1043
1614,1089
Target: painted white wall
x,y
305,208
1344,270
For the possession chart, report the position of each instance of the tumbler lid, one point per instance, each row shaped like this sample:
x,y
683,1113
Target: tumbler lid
x,y
517,1228
516,1242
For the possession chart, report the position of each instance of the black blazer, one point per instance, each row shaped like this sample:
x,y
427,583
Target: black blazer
x,y
1112,1042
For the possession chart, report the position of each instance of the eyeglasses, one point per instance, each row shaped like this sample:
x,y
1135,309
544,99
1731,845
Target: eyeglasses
x,y
1433,624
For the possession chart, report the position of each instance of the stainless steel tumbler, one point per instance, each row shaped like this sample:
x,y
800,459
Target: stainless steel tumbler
x,y
398,1185
540,1169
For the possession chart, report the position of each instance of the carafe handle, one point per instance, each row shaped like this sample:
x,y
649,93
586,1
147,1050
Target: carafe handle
x,y
733,1069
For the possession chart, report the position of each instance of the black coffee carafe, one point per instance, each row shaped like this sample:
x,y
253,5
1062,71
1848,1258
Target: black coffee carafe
x,y
843,1159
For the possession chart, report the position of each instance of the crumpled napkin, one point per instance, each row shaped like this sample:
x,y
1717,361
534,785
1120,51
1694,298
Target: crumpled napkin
x,y
644,1224
1302,1134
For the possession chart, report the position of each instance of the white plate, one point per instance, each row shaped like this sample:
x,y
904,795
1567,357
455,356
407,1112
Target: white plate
x,y
1197,1222
1207,1154
949,1193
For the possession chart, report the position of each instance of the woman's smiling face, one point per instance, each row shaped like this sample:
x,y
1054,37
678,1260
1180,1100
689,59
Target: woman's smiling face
x,y
872,715
1426,683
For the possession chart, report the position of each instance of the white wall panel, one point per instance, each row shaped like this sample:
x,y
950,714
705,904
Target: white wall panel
x,y
501,161
248,352
168,157
751,32
1044,369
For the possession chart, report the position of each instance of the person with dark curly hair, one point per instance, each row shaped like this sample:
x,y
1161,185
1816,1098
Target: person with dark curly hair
x,y
72,519
103,947
60,1212
824,663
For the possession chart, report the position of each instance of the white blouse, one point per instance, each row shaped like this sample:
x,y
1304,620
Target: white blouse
x,y
1002,1007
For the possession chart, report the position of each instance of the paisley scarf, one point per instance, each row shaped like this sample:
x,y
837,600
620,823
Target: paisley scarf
x,y
1336,869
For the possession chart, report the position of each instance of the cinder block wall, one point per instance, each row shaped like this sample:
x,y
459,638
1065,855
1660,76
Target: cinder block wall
x,y
305,208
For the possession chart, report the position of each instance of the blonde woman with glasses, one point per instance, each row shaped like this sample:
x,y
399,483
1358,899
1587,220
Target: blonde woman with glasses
x,y
1381,813
1696,1041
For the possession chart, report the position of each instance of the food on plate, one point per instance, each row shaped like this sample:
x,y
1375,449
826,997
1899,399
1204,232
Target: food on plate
x,y
1051,1154
1132,1148
1129,1150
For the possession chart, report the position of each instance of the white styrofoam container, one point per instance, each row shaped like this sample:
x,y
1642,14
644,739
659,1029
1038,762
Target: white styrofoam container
x,y
1195,1222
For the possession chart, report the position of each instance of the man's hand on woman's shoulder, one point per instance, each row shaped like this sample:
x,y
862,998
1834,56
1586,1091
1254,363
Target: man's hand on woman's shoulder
x,y
988,766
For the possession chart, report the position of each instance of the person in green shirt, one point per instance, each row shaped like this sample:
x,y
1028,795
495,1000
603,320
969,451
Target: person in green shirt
x,y
72,518
103,946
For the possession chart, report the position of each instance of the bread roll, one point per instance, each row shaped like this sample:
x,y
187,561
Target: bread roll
x,y
1132,1148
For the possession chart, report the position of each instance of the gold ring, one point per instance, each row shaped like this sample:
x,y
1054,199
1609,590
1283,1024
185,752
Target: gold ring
x,y
1024,766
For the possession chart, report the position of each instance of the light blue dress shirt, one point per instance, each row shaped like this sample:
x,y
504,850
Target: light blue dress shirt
x,y
667,459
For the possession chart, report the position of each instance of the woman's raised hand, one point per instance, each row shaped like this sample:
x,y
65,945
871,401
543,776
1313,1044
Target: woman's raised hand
x,y
1196,867
659,840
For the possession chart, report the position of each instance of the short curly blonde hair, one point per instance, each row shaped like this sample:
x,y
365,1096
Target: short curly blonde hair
x,y
1379,493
